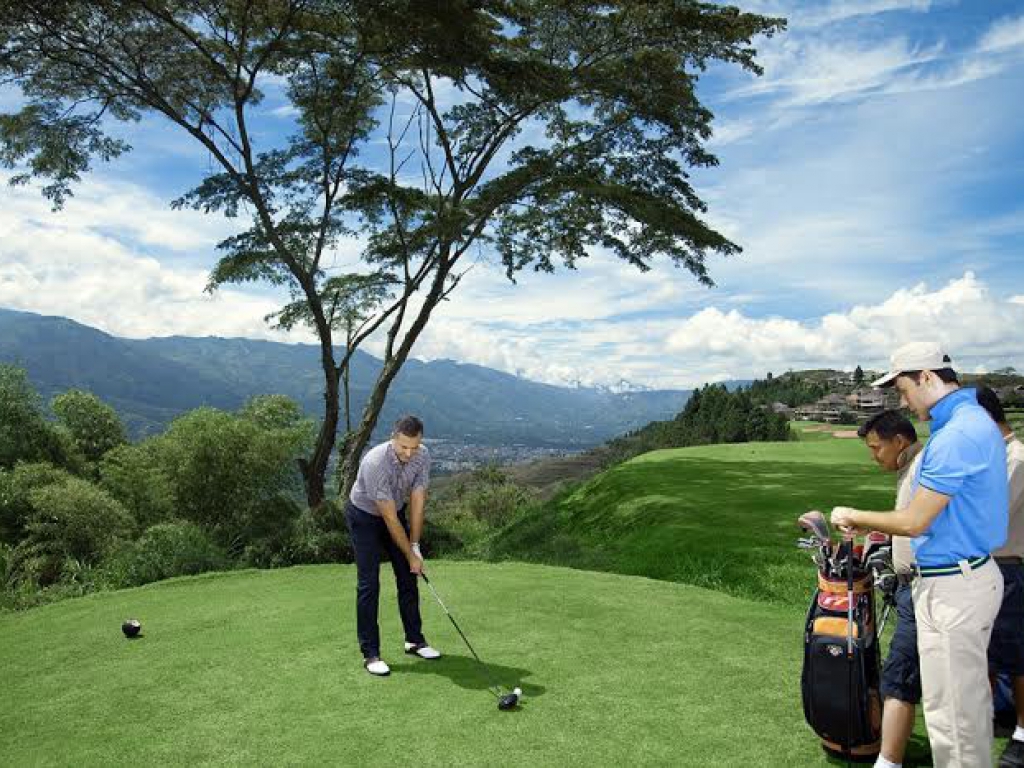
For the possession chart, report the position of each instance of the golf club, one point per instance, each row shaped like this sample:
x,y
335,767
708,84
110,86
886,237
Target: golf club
x,y
506,701
815,523
849,645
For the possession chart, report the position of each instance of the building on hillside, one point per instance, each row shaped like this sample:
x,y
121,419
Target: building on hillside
x,y
783,409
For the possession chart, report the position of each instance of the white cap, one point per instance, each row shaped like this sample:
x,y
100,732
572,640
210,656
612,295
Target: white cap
x,y
916,356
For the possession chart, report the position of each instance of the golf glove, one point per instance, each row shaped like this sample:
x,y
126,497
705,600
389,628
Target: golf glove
x,y
416,550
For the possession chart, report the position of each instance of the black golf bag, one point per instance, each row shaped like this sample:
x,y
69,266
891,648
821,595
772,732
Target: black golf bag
x,y
841,695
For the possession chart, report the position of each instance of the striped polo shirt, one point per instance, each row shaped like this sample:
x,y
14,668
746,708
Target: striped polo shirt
x,y
382,477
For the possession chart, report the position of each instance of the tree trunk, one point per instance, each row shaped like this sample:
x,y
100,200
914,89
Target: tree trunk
x,y
314,469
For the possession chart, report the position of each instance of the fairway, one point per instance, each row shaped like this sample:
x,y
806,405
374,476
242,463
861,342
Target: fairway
x,y
262,668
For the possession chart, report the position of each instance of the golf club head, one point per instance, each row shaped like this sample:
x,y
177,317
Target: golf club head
x,y
508,701
879,560
815,522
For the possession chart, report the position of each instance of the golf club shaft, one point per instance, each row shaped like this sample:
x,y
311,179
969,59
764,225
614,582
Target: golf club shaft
x,y
462,634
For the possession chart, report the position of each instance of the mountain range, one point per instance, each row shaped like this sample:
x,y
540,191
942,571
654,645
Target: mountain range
x,y
151,381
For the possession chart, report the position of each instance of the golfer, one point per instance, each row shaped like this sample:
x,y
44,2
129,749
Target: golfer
x,y
1006,648
894,446
385,514
957,517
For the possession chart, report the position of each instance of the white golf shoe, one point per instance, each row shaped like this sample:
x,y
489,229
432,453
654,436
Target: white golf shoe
x,y
377,667
422,650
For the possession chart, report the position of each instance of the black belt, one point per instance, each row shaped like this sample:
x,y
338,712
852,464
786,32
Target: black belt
x,y
929,571
1009,560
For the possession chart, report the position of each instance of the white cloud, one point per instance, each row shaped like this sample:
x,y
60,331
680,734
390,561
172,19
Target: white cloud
x,y
977,328
1003,35
104,261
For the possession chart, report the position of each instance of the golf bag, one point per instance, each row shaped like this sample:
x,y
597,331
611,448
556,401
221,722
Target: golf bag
x,y
841,695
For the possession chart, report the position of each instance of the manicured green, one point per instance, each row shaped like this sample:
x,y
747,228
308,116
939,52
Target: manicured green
x,y
719,516
262,668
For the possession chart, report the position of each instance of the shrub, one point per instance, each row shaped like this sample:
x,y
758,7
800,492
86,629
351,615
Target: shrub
x,y
177,548
133,476
16,485
70,522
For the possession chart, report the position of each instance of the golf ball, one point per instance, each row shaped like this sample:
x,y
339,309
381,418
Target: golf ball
x,y
517,691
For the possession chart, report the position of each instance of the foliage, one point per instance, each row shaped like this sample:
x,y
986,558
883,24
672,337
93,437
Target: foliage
x,y
791,389
471,509
16,488
175,548
25,435
227,473
712,415
132,474
72,525
93,425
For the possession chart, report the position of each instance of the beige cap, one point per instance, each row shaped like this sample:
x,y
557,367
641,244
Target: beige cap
x,y
916,356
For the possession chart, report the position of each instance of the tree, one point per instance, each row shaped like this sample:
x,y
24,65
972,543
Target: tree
x,y
94,426
25,435
568,127
858,375
227,473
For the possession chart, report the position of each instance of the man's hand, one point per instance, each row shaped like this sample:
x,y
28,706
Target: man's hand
x,y
416,562
845,519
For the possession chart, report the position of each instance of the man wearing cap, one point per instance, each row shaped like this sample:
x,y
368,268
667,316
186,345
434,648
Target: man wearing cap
x,y
389,475
957,517
894,446
1006,648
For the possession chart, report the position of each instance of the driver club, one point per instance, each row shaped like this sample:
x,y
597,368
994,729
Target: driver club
x,y
506,701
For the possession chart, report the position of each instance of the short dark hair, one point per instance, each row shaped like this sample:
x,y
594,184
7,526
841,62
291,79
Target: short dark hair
x,y
887,425
989,400
409,426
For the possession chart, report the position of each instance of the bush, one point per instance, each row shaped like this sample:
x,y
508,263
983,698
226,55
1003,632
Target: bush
x,y
132,475
16,485
316,537
177,548
472,509
72,524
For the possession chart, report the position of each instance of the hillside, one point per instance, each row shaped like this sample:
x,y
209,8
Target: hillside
x,y
151,381
719,516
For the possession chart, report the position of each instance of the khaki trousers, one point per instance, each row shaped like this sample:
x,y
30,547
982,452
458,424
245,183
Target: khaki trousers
x,y
954,621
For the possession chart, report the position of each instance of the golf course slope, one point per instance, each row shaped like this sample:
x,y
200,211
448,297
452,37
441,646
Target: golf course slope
x,y
262,668
717,516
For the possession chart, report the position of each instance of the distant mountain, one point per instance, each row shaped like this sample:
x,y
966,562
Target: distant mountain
x,y
151,381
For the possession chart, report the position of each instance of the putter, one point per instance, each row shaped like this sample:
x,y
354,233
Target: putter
x,y
506,701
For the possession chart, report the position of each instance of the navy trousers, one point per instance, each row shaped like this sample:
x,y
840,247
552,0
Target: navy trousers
x,y
371,542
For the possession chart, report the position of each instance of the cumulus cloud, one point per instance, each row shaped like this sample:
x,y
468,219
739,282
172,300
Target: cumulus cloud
x,y
119,260
977,327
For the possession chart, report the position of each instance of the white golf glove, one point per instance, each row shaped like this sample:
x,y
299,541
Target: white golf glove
x,y
416,550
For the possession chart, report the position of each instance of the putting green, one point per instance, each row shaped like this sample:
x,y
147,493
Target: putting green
x,y
262,668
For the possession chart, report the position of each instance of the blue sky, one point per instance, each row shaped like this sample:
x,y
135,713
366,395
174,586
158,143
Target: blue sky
x,y
874,177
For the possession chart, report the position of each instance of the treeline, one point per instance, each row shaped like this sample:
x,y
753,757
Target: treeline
x,y
712,415
81,508
789,388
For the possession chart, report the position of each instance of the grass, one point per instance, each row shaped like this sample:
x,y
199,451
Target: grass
x,y
721,516
261,668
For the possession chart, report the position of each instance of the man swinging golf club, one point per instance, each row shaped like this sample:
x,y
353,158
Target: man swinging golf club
x,y
392,479
957,516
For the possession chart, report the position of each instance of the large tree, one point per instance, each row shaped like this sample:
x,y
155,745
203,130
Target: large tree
x,y
538,129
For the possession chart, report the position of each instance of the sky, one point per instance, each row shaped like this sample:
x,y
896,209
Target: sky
x,y
874,177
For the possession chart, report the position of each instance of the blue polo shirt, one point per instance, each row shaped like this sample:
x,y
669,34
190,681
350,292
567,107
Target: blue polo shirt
x,y
965,459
